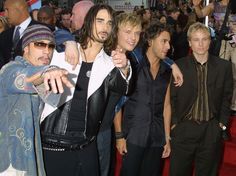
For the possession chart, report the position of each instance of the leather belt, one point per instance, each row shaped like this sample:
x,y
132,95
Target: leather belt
x,y
65,145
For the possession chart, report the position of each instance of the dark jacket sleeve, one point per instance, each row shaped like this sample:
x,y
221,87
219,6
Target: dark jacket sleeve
x,y
227,95
117,83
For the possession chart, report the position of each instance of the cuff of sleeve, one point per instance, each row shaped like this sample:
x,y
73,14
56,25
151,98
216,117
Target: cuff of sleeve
x,y
129,74
168,62
62,36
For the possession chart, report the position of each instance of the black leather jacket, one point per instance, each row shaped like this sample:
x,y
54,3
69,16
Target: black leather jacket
x,y
54,127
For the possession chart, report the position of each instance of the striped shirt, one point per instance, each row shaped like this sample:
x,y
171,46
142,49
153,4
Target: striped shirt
x,y
200,110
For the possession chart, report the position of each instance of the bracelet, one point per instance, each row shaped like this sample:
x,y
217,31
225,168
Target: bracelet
x,y
119,135
50,67
168,138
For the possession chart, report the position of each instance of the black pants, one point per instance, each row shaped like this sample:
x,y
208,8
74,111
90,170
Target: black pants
x,y
72,163
140,161
195,145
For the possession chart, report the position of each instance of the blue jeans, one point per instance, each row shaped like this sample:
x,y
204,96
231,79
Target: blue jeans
x,y
104,151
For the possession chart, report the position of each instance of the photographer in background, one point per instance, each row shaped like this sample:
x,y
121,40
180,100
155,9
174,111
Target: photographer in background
x,y
228,44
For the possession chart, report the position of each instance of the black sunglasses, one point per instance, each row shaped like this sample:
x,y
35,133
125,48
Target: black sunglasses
x,y
41,45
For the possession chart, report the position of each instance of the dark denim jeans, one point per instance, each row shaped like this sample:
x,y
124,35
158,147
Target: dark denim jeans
x,y
104,151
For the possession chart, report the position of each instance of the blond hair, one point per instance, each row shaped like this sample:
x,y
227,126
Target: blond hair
x,y
197,27
128,18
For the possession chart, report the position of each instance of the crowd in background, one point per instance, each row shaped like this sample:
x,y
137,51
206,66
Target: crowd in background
x,y
177,14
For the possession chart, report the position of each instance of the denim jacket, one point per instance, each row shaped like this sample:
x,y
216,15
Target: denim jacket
x,y
20,145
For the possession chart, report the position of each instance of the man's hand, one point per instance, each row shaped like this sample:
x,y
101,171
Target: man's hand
x,y
167,149
72,53
119,58
178,76
121,146
54,80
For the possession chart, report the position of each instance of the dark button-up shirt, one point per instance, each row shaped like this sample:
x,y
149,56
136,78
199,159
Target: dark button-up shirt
x,y
200,110
143,112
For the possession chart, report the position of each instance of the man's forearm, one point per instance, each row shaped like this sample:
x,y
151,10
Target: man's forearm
x,y
198,11
37,78
117,121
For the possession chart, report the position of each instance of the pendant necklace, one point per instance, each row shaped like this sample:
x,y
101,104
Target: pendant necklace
x,y
88,73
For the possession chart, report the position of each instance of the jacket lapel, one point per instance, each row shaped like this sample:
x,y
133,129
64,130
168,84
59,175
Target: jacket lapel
x,y
102,66
192,72
212,70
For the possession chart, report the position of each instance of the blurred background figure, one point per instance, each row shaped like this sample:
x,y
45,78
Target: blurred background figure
x,y
79,11
17,14
136,8
3,24
145,15
46,15
162,19
173,14
65,19
34,14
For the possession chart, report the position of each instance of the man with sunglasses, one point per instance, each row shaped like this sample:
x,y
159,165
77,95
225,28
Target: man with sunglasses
x,y
25,84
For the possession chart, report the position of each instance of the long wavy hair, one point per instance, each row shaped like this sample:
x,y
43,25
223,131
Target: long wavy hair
x,y
86,32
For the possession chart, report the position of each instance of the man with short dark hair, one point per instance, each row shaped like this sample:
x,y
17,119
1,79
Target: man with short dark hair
x,y
172,17
65,19
47,16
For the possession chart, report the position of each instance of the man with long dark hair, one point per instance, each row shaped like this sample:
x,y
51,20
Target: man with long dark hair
x,y
69,131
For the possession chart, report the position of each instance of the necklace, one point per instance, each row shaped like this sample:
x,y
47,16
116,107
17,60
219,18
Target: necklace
x,y
88,73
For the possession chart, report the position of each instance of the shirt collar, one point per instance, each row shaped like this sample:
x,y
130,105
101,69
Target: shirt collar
x,y
163,67
24,25
196,62
22,60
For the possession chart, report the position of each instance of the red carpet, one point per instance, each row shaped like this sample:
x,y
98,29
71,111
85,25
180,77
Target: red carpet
x,y
228,166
